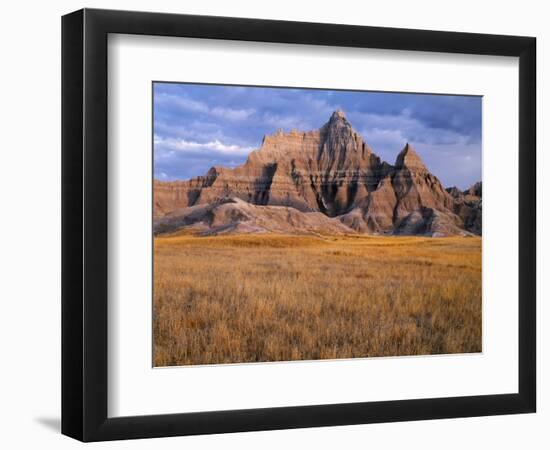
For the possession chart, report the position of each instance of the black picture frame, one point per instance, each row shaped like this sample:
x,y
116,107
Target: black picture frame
x,y
84,224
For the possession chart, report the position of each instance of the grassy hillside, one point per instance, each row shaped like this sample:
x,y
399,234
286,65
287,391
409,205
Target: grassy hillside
x,y
248,298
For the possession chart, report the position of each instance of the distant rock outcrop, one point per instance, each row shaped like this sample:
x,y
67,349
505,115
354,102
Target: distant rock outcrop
x,y
467,205
333,177
231,215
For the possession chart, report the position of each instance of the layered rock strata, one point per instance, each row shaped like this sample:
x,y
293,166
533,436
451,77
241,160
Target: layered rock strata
x,y
333,173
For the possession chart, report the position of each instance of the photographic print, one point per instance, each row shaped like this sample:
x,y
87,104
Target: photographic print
x,y
307,224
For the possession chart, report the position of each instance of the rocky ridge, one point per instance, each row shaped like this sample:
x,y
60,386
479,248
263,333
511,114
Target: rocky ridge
x,y
327,180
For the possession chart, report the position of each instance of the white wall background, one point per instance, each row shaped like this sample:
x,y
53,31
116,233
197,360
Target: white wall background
x,y
30,230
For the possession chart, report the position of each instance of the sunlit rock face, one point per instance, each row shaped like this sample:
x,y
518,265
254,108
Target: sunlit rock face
x,y
332,171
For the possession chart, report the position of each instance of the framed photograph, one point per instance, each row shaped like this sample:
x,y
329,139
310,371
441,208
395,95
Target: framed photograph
x,y
273,225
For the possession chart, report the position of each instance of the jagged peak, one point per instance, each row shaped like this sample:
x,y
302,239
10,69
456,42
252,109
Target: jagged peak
x,y
409,159
338,119
338,114
338,124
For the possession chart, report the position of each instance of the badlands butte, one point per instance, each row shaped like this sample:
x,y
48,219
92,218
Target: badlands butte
x,y
326,181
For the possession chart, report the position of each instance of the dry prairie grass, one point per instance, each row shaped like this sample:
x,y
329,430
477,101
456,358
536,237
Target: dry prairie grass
x,y
250,298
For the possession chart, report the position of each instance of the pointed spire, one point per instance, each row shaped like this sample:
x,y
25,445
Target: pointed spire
x,y
338,114
338,121
409,159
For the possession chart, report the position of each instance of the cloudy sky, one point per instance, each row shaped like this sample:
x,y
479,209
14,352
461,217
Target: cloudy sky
x,y
198,126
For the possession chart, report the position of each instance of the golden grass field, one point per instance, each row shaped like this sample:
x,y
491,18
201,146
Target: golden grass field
x,y
250,298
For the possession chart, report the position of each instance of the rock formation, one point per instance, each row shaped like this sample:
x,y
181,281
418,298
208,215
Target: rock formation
x,y
467,205
233,215
330,176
